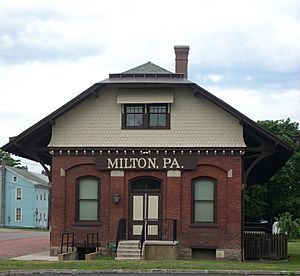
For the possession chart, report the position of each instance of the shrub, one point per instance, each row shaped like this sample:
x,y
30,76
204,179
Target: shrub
x,y
289,226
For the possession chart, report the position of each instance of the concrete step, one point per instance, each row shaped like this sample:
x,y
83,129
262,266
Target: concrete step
x,y
128,258
128,250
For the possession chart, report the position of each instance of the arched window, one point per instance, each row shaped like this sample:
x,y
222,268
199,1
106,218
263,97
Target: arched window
x,y
204,200
88,191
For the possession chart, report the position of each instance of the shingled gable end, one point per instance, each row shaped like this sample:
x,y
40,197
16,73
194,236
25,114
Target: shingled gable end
x,y
150,144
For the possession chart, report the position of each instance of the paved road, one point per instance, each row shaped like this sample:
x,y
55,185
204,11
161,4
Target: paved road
x,y
15,242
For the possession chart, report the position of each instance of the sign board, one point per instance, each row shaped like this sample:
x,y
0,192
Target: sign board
x,y
146,163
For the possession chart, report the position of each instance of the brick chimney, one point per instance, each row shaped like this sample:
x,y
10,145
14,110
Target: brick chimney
x,y
181,59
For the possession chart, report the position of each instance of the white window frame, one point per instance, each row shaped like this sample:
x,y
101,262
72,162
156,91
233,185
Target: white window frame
x,y
18,188
15,179
16,215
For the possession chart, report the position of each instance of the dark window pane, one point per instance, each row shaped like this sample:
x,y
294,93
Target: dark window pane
x,y
162,119
153,120
145,184
130,120
153,184
157,115
138,120
139,184
134,115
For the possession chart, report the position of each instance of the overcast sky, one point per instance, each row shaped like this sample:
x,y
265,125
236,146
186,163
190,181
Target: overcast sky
x,y
244,52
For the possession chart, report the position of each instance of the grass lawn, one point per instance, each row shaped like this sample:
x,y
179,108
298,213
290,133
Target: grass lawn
x,y
293,264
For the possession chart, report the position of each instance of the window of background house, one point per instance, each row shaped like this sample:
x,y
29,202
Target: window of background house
x,y
15,179
204,200
18,193
18,214
87,199
146,116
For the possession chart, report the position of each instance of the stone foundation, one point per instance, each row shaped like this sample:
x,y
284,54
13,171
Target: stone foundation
x,y
228,254
54,250
184,253
160,250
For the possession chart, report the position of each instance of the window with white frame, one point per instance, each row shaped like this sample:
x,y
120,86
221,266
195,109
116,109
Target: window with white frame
x,y
18,214
14,179
18,193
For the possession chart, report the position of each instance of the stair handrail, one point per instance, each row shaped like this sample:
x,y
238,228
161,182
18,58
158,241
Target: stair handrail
x,y
143,237
121,232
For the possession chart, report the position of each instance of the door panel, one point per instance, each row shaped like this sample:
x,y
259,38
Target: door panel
x,y
136,229
152,230
153,205
138,207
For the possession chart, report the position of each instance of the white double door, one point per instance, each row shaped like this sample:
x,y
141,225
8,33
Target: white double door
x,y
145,206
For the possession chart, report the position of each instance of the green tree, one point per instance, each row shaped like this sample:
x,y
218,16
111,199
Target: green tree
x,y
9,161
282,192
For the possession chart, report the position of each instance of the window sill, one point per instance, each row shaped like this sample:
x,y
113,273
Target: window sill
x,y
204,225
88,223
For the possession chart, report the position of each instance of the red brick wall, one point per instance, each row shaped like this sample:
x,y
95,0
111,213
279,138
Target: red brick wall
x,y
176,194
181,60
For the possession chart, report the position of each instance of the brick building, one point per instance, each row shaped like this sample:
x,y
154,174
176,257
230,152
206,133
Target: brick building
x,y
152,150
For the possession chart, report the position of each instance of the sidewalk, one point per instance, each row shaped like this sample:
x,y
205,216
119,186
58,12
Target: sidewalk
x,y
40,256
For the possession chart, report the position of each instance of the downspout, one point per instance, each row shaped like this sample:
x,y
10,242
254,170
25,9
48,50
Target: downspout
x,y
49,174
3,186
244,185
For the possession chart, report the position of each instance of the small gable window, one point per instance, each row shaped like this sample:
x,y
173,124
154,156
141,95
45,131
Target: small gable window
x,y
146,116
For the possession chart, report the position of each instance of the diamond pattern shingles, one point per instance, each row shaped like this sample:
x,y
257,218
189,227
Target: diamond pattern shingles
x,y
147,68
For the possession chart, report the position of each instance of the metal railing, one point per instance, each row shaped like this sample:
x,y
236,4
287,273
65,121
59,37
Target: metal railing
x,y
121,233
92,242
159,229
67,238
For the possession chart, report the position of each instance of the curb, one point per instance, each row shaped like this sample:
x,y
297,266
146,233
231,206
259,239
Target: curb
x,y
148,271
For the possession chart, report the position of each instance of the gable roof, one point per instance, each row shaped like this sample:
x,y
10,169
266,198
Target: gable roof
x,y
32,143
37,179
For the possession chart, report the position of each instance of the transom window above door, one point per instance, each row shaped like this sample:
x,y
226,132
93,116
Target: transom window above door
x,y
146,116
